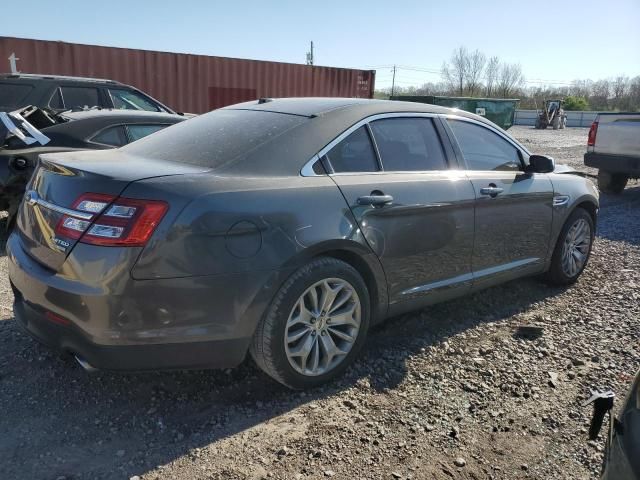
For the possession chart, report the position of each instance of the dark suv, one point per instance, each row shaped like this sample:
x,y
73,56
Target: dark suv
x,y
67,93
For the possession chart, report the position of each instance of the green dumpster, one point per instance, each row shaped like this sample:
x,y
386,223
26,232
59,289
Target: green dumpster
x,y
499,110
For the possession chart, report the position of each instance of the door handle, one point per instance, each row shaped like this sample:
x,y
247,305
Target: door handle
x,y
375,200
491,191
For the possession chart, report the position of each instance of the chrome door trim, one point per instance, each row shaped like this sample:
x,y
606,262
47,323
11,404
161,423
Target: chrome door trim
x,y
307,169
495,130
32,199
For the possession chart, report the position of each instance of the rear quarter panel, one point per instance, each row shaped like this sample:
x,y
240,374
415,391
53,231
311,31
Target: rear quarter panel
x,y
227,225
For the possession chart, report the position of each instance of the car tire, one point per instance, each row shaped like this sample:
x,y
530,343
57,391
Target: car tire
x,y
611,182
566,265
282,358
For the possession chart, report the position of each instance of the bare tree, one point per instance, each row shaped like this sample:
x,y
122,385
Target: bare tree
x,y
473,79
510,79
599,95
455,72
491,75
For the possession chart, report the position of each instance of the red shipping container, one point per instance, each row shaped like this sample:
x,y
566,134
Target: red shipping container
x,y
186,83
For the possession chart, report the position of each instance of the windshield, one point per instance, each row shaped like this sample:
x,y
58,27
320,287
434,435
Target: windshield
x,y
215,139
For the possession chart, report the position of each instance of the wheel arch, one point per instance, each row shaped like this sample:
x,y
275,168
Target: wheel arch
x,y
363,260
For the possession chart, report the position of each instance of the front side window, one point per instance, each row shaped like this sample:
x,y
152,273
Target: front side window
x,y
113,136
484,149
136,132
355,153
79,97
129,100
408,144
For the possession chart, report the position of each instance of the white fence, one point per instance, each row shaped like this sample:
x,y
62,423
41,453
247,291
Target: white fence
x,y
574,119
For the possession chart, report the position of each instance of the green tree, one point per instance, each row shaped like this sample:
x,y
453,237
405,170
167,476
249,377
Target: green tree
x,y
575,103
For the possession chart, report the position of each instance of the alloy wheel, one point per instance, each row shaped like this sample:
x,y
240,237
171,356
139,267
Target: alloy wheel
x,y
323,326
576,247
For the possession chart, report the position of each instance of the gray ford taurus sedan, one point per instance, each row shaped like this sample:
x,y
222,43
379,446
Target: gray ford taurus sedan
x,y
284,228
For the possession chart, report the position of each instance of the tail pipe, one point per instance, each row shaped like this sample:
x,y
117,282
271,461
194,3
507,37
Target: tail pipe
x,y
84,364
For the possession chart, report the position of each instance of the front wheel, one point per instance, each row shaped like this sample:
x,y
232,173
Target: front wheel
x,y
573,248
315,326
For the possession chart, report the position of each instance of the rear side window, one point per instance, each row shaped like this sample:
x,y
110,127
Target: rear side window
x,y
114,136
79,97
484,149
136,132
129,100
354,154
12,94
217,138
408,144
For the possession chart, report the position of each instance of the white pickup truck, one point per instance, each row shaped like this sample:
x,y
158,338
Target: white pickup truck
x,y
613,147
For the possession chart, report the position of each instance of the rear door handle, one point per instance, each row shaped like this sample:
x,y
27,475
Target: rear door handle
x,y
375,200
492,191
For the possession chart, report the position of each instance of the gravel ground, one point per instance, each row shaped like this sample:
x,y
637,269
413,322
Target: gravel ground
x,y
450,392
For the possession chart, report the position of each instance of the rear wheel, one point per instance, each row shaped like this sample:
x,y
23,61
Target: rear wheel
x,y
556,122
573,248
611,182
315,325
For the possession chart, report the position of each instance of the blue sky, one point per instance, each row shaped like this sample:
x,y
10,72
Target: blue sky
x,y
592,39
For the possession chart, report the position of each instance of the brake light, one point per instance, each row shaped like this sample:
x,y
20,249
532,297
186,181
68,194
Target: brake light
x,y
591,139
115,221
94,203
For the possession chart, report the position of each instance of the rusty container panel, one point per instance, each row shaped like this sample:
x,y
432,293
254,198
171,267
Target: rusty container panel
x,y
186,83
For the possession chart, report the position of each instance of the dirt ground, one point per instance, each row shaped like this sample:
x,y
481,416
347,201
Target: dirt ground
x,y
449,392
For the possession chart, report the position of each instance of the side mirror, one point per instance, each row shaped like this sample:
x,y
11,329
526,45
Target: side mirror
x,y
541,164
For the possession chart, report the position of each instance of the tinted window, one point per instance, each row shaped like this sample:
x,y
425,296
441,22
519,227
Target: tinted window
x,y
354,154
136,132
217,138
484,149
114,136
79,97
128,100
12,95
56,100
408,144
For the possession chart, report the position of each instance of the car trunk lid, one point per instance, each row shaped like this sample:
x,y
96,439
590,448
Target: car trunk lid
x,y
61,179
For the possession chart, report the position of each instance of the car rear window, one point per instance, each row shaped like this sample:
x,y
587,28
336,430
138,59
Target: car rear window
x,y
12,94
215,139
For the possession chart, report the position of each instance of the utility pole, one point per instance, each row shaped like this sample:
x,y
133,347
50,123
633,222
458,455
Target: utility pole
x,y
393,82
310,55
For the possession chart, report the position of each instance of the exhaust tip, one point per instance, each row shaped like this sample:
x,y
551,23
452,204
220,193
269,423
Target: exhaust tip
x,y
84,364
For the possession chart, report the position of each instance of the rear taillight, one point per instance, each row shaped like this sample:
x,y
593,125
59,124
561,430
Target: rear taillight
x,y
115,221
591,139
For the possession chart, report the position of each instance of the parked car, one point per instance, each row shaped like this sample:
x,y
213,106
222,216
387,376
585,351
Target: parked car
x,y
613,147
60,93
284,228
84,130
621,461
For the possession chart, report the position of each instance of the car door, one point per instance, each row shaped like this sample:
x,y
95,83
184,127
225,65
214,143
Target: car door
x,y
415,211
513,208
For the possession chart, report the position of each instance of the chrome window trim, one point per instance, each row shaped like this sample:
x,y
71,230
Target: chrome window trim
x,y
308,167
495,130
32,198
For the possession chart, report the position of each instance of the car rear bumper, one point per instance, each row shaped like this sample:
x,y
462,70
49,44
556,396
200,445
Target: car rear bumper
x,y
69,339
613,163
124,324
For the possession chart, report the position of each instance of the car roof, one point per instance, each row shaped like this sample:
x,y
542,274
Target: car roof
x,y
120,113
345,107
46,77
